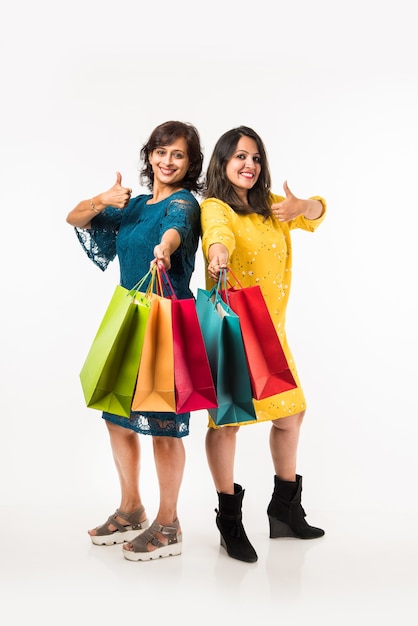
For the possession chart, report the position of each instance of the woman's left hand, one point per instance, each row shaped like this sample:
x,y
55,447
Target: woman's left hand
x,y
290,208
162,255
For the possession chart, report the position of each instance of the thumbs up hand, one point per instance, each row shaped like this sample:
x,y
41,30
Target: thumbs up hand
x,y
117,196
289,208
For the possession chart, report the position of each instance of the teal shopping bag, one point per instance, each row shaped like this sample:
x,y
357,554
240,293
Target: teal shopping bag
x,y
110,370
224,345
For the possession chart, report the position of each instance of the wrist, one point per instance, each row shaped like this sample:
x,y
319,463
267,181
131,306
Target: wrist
x,y
313,209
94,207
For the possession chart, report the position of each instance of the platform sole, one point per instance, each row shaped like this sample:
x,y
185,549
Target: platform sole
x,y
171,550
118,537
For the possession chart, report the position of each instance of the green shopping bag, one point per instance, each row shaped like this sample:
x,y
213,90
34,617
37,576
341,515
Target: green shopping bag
x,y
109,373
224,345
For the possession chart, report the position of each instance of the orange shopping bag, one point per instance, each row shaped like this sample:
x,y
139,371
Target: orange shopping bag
x,y
155,389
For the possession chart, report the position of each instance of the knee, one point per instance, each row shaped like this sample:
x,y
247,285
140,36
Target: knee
x,y
166,443
293,422
119,431
226,432
299,418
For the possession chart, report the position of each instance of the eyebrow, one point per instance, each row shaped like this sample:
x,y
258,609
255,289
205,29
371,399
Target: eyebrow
x,y
246,152
167,147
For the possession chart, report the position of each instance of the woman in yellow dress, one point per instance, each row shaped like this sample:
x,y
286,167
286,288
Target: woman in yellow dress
x,y
245,227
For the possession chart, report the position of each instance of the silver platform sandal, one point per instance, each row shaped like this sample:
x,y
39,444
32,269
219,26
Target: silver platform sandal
x,y
124,532
164,541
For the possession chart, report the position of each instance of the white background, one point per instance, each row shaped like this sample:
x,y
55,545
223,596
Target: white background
x,y
332,89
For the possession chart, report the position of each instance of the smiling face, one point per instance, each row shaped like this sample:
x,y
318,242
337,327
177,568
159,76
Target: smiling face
x,y
170,163
244,167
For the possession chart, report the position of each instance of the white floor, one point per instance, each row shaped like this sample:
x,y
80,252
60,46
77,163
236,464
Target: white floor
x,y
364,571
57,479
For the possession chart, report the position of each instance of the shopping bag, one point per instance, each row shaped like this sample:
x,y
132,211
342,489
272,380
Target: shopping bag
x,y
155,389
224,345
109,372
193,380
267,364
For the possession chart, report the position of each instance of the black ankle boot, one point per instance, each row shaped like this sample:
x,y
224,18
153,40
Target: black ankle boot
x,y
229,522
286,514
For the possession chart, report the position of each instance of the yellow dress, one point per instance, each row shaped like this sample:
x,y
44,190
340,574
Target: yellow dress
x,y
260,253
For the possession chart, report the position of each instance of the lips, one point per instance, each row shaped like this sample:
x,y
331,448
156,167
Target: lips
x,y
166,171
248,175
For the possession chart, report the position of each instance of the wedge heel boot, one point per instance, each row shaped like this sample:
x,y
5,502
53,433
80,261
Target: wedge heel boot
x,y
229,522
285,512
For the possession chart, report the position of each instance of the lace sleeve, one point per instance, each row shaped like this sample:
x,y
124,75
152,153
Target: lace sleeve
x,y
99,241
183,214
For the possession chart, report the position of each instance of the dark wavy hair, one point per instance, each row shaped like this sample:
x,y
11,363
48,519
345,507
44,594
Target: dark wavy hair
x,y
164,135
217,184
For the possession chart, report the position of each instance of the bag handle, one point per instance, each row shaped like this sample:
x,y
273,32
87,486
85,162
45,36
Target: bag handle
x,y
165,282
154,285
231,273
138,285
221,286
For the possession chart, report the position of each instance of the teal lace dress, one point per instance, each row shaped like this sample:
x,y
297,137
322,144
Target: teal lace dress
x,y
131,235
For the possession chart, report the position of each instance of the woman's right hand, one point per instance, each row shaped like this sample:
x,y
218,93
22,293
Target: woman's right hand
x,y
86,210
217,259
117,195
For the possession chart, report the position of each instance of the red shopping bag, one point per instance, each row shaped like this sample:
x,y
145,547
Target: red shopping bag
x,y
194,386
267,364
193,380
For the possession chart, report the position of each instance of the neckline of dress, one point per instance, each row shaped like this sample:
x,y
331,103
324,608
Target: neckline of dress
x,y
166,198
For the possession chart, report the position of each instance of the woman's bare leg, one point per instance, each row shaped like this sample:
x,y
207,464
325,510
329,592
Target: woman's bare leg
x,y
126,451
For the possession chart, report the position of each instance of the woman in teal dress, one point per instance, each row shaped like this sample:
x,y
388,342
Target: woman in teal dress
x,y
164,227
